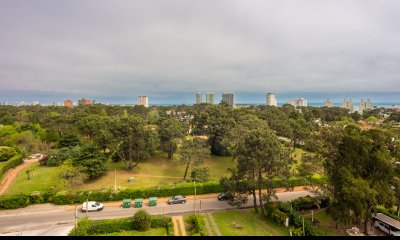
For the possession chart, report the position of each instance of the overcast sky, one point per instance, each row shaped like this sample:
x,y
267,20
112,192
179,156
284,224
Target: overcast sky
x,y
130,48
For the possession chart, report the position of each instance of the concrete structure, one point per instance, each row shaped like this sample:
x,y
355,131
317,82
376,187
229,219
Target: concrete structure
x,y
348,104
271,99
364,105
210,97
68,103
84,102
229,97
143,100
298,102
328,103
199,98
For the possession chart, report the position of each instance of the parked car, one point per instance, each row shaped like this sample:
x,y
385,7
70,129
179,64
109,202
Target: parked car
x,y
223,196
386,228
92,206
177,199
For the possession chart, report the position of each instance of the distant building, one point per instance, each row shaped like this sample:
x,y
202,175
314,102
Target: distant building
x,y
210,97
68,103
229,98
348,104
328,103
143,100
271,99
364,105
84,102
34,103
298,102
199,98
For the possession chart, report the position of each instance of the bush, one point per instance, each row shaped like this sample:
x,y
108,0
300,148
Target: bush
x,y
268,209
297,232
141,220
82,228
6,153
159,221
198,224
15,201
279,216
110,226
308,202
36,197
13,162
170,227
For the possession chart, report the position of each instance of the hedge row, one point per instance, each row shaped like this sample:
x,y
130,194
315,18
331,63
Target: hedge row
x,y
387,212
12,162
63,197
97,227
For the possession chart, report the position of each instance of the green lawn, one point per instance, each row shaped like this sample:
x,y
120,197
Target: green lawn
x,y
252,224
155,172
151,232
327,225
43,178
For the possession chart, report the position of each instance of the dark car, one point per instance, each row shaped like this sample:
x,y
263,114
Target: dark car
x,y
177,199
223,196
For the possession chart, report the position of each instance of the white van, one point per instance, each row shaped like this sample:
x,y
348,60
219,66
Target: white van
x,y
92,206
386,228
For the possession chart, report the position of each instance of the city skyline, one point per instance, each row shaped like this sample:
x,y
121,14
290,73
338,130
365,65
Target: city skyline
x,y
99,50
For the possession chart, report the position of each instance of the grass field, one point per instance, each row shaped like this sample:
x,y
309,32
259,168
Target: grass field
x,y
157,171
327,225
43,178
151,232
252,224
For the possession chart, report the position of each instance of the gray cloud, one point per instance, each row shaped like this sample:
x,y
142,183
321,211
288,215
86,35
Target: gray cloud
x,y
123,48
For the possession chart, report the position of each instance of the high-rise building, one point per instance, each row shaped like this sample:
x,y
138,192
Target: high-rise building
x,y
271,99
143,100
68,103
328,103
364,105
348,104
298,102
210,97
84,102
199,98
229,97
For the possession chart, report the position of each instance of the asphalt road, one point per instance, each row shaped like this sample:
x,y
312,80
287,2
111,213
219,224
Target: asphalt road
x,y
47,219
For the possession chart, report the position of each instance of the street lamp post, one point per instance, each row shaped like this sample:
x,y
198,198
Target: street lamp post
x,y
194,197
87,204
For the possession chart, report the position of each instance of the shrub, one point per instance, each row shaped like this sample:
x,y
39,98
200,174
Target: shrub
x,y
170,227
82,228
141,220
36,197
159,221
13,162
6,153
15,201
279,216
198,223
297,232
110,226
268,209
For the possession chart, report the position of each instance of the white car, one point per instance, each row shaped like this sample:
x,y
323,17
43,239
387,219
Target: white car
x,y
386,228
92,206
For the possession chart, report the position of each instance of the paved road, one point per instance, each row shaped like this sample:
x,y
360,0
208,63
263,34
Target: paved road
x,y
44,219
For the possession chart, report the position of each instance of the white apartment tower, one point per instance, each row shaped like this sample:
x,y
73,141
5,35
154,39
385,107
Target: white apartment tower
x,y
364,105
229,97
271,99
143,100
298,102
199,98
348,104
328,103
210,98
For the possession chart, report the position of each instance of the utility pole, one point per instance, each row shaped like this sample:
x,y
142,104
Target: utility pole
x,y
87,204
304,233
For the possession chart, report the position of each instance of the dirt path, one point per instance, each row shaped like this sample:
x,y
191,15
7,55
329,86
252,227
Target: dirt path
x,y
174,221
12,173
182,225
208,226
